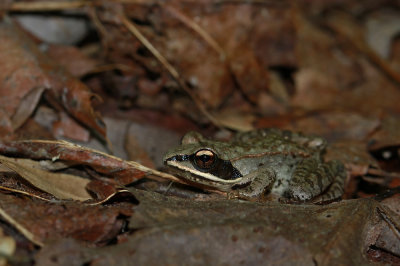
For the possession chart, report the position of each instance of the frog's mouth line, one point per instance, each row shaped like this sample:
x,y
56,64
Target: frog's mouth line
x,y
202,174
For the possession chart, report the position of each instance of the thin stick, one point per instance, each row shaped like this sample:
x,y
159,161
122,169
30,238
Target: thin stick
x,y
20,228
62,5
167,176
48,5
147,170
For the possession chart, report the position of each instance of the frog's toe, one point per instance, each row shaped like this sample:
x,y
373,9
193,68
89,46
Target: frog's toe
x,y
232,195
299,194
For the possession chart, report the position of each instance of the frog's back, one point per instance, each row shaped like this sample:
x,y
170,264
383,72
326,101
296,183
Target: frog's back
x,y
277,142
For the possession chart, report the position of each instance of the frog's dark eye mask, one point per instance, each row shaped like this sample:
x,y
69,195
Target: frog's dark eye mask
x,y
207,161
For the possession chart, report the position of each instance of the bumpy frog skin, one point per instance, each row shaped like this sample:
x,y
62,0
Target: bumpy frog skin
x,y
282,164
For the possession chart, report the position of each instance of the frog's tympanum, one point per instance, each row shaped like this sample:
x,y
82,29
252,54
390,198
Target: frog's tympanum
x,y
261,164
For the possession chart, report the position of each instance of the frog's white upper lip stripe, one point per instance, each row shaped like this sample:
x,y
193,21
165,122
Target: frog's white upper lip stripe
x,y
202,174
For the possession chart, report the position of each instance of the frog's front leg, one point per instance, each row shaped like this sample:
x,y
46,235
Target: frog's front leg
x,y
255,184
312,178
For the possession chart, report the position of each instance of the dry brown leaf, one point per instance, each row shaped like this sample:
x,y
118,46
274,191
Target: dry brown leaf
x,y
72,59
222,232
333,72
136,152
24,231
104,192
387,135
210,46
121,171
349,29
41,221
70,128
62,186
26,72
236,120
11,181
6,124
336,125
354,154
26,106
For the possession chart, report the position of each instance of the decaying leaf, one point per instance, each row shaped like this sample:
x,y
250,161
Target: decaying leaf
x,y
304,66
72,59
26,72
26,106
41,221
11,181
24,231
387,135
178,231
39,181
121,171
104,192
62,186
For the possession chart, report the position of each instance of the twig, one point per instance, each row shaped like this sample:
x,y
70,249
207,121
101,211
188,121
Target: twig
x,y
40,6
62,5
166,176
20,228
251,2
48,5
147,170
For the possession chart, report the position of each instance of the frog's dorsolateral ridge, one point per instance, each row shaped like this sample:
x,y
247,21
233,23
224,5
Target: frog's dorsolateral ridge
x,y
279,163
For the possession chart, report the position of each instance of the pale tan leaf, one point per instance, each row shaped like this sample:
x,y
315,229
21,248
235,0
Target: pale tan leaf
x,y
26,107
62,186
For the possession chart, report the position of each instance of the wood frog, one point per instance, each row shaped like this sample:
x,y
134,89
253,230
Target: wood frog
x,y
265,163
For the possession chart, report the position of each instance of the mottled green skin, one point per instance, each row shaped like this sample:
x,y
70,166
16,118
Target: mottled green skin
x,y
282,163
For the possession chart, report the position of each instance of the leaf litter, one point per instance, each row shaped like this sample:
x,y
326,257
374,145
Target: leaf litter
x,y
181,65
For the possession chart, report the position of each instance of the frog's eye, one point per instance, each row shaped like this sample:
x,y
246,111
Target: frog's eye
x,y
205,159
